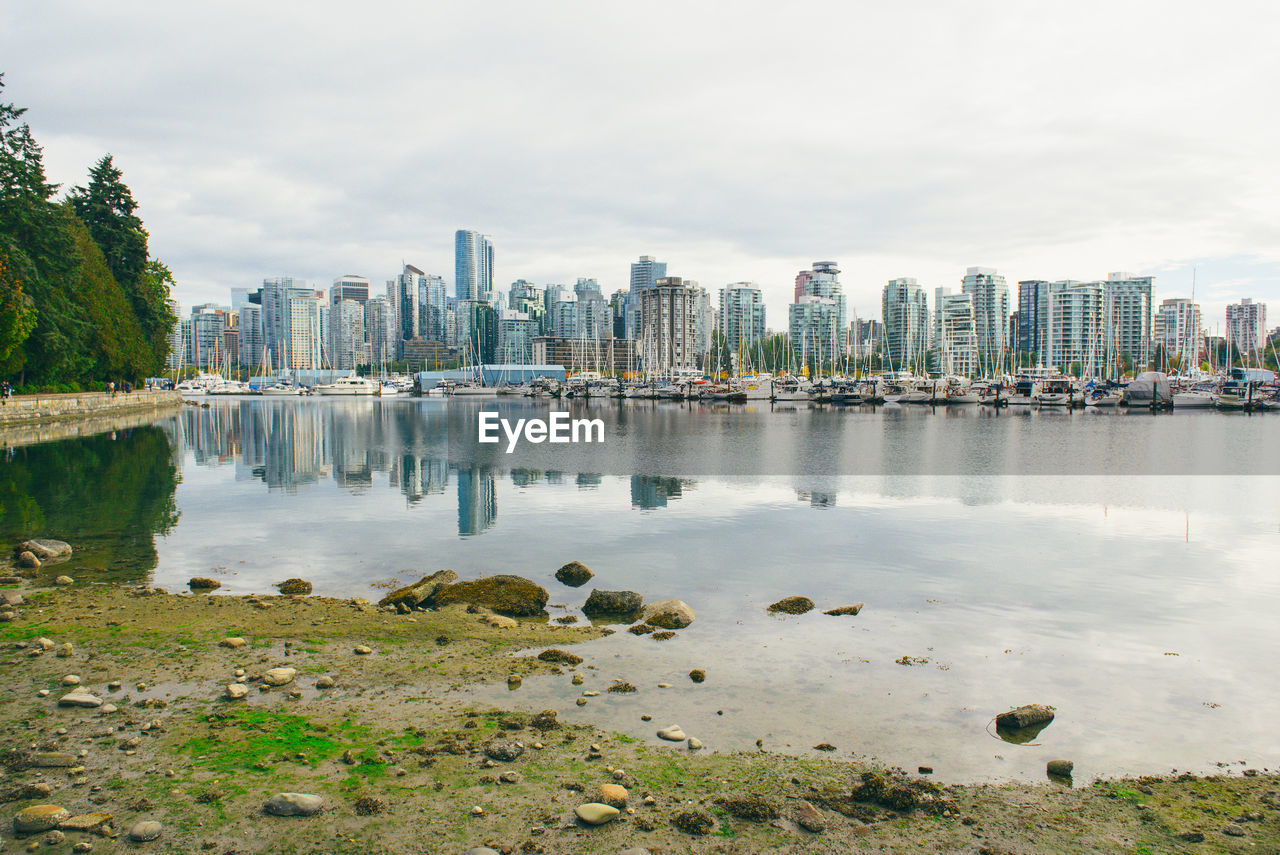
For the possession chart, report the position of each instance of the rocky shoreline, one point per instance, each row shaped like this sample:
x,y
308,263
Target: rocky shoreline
x,y
293,723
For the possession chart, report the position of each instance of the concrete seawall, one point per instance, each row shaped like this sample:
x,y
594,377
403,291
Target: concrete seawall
x,y
31,410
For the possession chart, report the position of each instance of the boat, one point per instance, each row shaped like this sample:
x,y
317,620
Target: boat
x,y
281,389
1193,399
348,386
1057,391
387,389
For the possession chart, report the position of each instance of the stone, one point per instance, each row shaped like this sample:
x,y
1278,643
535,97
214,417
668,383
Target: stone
x,y
71,680
672,734
11,598
697,675
55,838
421,592
594,813
503,751
1232,830
293,804
792,605
844,610
294,587
64,650
80,697
279,676
45,643
107,709
694,743
1059,768
82,846
363,650
237,691
693,821
810,818
562,657
53,759
203,583
63,581
635,850
500,621
621,687
514,681
147,829
1025,716
601,603
640,629
94,823
28,559
577,680
46,549
481,850
234,642
614,795
324,683
509,777
668,614
513,596
38,818
664,635
574,574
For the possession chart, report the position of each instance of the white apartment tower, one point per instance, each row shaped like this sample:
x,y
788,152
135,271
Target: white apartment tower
x,y
990,295
741,316
668,325
955,341
1176,329
1127,308
1246,326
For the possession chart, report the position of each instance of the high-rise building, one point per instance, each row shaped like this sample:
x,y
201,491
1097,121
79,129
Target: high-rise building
x,y
704,320
668,325
866,338
1071,333
433,304
480,339
1031,295
408,291
618,313
594,320
516,332
905,309
347,330
741,316
1246,327
528,298
251,349
561,312
1176,330
207,340
824,281
814,328
1127,308
349,287
380,330
955,337
990,314
276,336
645,274
305,346
473,266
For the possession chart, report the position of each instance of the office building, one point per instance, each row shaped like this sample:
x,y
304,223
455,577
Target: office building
x,y
1032,294
528,298
276,294
593,318
433,305
349,287
347,331
516,332
645,274
304,349
473,266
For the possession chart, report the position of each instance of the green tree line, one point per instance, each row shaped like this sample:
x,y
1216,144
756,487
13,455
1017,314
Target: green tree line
x,y
82,302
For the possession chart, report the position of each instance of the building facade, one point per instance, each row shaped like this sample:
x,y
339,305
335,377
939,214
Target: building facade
x,y
741,316
645,274
1246,326
814,326
904,307
348,348
990,295
1072,327
668,325
1177,330
1031,295
1127,309
349,287
472,266
955,337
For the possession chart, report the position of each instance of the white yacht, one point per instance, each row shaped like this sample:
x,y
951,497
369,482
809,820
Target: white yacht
x,y
348,386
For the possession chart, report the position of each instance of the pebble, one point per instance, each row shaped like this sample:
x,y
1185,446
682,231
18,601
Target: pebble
x,y
664,685
582,702
237,691
146,830
695,743
63,581
363,650
43,693
503,751
107,709
114,686
514,681
1060,768
672,734
293,804
55,838
509,777
595,813
646,717
38,818
697,675
477,811
590,694
71,680
577,680
810,818
64,650
234,642
82,846
325,683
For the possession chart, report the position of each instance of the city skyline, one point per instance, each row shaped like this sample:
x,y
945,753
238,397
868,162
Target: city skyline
x,y
1126,141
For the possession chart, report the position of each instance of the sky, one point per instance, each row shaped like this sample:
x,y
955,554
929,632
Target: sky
x,y
736,142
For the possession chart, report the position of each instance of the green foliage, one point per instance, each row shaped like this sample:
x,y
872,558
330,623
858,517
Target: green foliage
x,y
17,309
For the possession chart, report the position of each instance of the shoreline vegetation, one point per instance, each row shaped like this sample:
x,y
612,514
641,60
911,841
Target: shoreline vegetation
x,y
298,723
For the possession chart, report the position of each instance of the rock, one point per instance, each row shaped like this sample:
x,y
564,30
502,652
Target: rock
x,y
513,596
71,680
37,818
64,650
668,614
235,642
1191,836
621,687
635,850
664,635
1232,830
82,846
561,656
45,643
363,650
87,822
697,675
640,629
544,721
750,807
325,682
46,549
1025,716
577,680
514,681
809,818
694,743
202,583
481,850
500,621
293,804
26,792
11,598
509,777
503,751
279,676
80,698
421,592
237,691
594,813
1059,768
146,830
53,760
28,559
107,709
601,603
792,605
845,610
294,587
614,795
574,574
672,734
693,821
55,838
63,581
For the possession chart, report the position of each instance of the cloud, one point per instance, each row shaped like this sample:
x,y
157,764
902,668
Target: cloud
x,y
735,143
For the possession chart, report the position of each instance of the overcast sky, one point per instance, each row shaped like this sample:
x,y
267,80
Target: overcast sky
x,y
735,141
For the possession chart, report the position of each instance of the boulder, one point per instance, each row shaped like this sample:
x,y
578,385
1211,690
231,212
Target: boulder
x,y
235,642
672,734
294,587
90,823
668,614
37,818
46,550
80,697
1059,768
619,603
562,657
1027,715
202,583
11,598
845,610
574,574
420,592
28,559
279,676
792,605
146,830
63,581
514,596
293,804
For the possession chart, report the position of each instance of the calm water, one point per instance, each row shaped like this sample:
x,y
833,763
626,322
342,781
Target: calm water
x,y
1021,554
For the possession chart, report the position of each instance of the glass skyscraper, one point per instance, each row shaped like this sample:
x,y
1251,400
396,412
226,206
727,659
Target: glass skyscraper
x,y
473,266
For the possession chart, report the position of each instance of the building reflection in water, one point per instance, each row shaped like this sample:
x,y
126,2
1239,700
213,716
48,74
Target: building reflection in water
x,y
650,491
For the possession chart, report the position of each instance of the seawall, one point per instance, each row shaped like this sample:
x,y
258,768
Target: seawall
x,y
32,410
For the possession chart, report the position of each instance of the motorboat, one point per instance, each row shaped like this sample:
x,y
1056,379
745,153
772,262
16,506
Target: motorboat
x,y
348,386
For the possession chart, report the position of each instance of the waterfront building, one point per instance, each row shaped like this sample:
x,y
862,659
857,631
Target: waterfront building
x,y
208,322
1032,294
516,332
1127,309
427,351
1072,327
618,313
380,331
473,266
349,287
813,323
613,356
1176,330
348,348
704,320
408,287
275,295
326,331
433,304
562,311
304,348
955,337
1246,327
668,325
905,310
179,339
231,342
741,316
251,335
824,281
990,295
593,319
528,298
477,332
645,274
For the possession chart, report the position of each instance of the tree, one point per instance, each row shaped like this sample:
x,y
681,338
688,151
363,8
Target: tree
x,y
17,310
